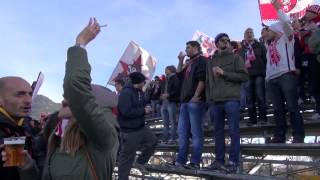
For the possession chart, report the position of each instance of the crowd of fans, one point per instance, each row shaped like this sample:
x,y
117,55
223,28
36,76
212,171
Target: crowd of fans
x,y
94,130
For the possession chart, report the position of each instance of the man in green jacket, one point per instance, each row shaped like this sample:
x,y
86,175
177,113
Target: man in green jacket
x,y
225,73
93,157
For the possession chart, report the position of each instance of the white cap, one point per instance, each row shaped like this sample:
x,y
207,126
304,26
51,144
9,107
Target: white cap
x,y
276,27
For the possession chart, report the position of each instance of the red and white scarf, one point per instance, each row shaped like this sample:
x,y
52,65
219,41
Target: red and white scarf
x,y
274,54
62,124
249,55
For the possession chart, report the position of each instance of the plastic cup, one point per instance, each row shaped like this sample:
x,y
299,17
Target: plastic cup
x,y
14,151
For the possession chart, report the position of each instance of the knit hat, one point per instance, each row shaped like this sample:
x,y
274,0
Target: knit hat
x,y
219,36
276,27
314,9
104,96
137,77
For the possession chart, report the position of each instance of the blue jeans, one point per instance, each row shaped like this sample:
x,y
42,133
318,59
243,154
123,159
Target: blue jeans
x,y
168,114
284,89
190,123
155,105
256,91
243,95
217,112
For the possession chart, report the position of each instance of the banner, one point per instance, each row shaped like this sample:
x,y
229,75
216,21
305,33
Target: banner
x,y
206,42
293,8
37,84
134,59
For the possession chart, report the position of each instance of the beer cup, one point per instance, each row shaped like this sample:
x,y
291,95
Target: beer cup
x,y
14,147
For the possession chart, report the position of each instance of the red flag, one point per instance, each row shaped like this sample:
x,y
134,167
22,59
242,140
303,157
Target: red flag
x,y
293,8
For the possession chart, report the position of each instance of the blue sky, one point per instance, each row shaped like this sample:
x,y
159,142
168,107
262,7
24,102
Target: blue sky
x,y
36,34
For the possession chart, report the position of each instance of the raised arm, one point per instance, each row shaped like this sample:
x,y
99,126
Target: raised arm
x,y
96,122
287,28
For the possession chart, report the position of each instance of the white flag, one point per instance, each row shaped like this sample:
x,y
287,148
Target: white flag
x,y
134,59
37,85
207,43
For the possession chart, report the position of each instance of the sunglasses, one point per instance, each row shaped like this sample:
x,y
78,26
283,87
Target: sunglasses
x,y
224,40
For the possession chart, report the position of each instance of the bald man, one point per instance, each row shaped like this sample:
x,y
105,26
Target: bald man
x,y
15,105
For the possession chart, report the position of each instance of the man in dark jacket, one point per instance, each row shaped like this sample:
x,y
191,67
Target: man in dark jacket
x,y
192,98
15,105
254,55
134,133
170,98
225,73
155,96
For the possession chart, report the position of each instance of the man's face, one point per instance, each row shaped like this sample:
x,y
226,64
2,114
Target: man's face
x,y
190,51
16,97
118,87
140,85
167,72
270,35
248,35
296,25
223,43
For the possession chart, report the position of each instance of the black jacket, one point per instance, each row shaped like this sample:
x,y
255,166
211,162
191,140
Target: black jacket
x,y
190,82
173,88
155,92
10,129
258,66
131,109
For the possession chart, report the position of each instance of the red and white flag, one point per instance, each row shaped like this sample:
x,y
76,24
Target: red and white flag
x,y
293,8
207,43
134,59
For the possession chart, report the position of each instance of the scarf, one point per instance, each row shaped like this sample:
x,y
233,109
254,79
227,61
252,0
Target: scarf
x,y
274,54
6,114
249,54
62,124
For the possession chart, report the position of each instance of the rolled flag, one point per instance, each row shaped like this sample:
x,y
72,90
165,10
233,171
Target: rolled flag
x,y
37,84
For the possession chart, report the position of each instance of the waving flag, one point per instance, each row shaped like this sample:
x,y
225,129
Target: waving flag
x,y
293,8
134,59
206,42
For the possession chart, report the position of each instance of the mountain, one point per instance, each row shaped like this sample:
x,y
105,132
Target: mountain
x,y
43,104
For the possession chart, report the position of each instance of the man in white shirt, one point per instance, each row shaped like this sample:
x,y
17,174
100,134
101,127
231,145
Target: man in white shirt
x,y
281,79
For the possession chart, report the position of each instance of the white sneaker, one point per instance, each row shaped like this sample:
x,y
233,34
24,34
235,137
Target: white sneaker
x,y
315,116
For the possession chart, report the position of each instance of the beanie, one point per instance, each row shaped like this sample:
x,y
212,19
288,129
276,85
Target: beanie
x,y
137,77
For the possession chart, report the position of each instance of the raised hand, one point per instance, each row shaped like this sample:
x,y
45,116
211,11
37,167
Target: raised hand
x,y
181,56
89,32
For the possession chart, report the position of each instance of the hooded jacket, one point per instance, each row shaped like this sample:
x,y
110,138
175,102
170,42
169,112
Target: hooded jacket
x,y
131,109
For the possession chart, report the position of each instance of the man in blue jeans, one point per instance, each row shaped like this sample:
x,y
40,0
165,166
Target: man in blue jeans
x,y
192,99
170,98
225,73
281,78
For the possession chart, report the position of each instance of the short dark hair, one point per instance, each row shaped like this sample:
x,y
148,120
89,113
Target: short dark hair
x,y
194,44
172,69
